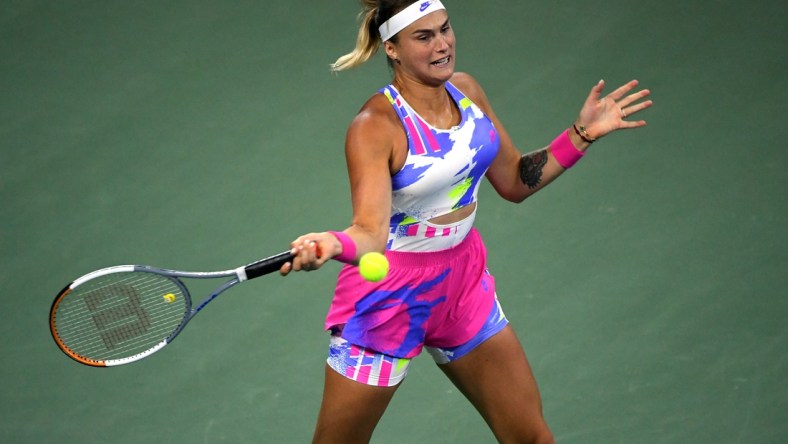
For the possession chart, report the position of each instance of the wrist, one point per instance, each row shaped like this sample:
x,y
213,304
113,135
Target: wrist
x,y
581,136
348,254
566,151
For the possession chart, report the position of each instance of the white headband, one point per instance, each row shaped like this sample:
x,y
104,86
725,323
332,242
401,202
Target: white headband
x,y
402,19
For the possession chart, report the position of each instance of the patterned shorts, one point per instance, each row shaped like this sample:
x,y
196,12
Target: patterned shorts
x,y
444,301
373,368
439,299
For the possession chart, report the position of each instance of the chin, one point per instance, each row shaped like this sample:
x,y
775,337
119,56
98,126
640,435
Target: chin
x,y
444,71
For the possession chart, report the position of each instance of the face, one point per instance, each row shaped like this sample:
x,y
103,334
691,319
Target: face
x,y
425,49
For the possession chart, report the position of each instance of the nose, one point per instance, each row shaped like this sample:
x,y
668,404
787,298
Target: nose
x,y
442,43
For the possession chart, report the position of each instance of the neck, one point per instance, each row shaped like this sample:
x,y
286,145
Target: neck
x,y
431,97
432,103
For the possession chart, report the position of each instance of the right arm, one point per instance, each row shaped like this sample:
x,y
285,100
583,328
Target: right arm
x,y
369,153
369,149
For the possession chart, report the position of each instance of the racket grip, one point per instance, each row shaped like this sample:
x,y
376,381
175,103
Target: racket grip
x,y
267,265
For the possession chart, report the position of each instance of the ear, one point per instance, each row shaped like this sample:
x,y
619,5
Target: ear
x,y
391,50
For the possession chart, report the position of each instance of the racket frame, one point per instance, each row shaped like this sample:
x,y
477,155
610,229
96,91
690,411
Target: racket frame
x,y
240,274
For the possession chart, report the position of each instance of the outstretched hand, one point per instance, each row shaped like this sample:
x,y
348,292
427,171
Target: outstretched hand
x,y
602,115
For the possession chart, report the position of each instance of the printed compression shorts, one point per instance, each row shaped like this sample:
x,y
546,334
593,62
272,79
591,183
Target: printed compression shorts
x,y
373,368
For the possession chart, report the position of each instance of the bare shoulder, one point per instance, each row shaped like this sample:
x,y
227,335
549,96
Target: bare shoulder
x,y
464,80
374,129
468,85
471,88
376,114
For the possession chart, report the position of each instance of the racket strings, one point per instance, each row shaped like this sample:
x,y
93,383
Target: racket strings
x,y
120,315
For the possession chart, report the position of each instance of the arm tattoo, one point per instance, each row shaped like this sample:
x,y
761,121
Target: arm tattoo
x,y
531,165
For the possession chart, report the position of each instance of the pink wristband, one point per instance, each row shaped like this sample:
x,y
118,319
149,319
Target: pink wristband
x,y
564,151
348,254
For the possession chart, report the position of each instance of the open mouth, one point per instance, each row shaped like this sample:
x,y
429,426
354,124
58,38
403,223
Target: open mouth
x,y
442,62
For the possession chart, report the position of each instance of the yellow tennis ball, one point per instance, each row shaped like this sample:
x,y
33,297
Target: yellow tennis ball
x,y
373,266
169,298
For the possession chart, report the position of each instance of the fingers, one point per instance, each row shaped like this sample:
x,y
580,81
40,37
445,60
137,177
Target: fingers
x,y
310,252
307,257
596,92
631,105
631,110
626,101
619,92
601,115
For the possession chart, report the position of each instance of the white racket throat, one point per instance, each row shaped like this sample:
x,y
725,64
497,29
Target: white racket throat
x,y
240,272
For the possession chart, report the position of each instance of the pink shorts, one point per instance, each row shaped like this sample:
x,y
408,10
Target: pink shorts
x,y
374,368
440,299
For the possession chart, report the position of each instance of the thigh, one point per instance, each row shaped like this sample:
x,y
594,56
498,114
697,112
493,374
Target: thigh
x,y
497,379
350,410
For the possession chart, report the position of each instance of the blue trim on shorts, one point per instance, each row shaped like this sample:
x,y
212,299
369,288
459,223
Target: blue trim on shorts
x,y
496,322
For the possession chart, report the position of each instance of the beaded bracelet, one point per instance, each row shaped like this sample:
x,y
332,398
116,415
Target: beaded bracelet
x,y
581,131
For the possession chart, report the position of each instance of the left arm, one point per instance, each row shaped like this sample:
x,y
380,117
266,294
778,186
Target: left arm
x,y
516,176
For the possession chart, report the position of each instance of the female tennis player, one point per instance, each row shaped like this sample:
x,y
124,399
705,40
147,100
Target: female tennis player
x,y
416,154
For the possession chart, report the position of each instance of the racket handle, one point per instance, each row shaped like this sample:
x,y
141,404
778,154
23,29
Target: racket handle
x,y
267,265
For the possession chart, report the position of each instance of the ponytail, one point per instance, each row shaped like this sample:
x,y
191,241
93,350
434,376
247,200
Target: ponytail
x,y
367,42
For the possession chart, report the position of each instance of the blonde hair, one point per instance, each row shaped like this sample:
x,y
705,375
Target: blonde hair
x,y
373,13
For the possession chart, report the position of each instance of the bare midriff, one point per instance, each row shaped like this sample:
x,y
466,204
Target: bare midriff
x,y
454,216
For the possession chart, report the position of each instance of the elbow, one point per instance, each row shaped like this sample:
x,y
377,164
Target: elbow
x,y
379,243
513,195
511,190
373,237
516,199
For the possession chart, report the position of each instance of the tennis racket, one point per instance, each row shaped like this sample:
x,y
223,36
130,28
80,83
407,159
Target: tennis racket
x,y
119,315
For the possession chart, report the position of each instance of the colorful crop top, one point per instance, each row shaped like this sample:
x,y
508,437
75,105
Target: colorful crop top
x,y
442,171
